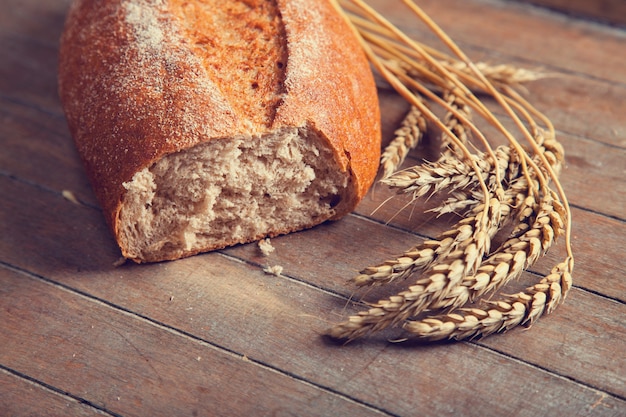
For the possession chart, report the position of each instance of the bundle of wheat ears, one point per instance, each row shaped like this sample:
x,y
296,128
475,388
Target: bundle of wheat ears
x,y
513,189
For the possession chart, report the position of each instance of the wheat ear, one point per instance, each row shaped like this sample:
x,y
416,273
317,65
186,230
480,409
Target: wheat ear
x,y
446,175
407,137
523,308
459,256
519,252
453,122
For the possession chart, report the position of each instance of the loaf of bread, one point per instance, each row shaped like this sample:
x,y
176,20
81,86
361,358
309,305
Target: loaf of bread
x,y
208,123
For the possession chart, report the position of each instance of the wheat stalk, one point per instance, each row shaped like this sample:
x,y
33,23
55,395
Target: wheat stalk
x,y
509,185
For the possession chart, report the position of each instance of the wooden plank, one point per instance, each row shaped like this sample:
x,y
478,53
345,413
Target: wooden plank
x,y
610,11
42,20
48,217
129,366
570,343
448,376
582,107
28,72
21,397
238,307
605,166
517,31
37,148
29,35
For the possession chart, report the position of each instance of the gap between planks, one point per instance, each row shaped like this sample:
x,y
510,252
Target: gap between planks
x,y
56,391
599,213
545,370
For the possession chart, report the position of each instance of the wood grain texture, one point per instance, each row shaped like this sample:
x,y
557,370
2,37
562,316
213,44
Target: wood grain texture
x,y
511,30
611,11
78,334
124,364
23,397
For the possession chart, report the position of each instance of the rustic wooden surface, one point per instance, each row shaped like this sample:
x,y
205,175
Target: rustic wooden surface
x,y
607,11
214,335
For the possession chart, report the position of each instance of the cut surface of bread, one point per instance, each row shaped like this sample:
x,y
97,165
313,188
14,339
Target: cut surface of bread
x,y
229,191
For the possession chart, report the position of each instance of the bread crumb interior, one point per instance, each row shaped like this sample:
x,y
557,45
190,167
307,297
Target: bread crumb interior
x,y
229,191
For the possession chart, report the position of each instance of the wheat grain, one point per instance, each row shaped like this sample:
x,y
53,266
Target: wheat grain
x,y
453,119
407,137
401,267
446,174
497,316
463,199
516,254
502,74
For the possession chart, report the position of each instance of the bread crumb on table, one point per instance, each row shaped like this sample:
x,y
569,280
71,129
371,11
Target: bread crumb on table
x,y
266,246
273,270
70,196
120,261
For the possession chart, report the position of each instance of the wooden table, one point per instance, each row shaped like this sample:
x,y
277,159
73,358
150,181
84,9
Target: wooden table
x,y
215,335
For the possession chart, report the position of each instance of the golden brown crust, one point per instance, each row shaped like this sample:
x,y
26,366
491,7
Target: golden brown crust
x,y
132,97
134,90
329,83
